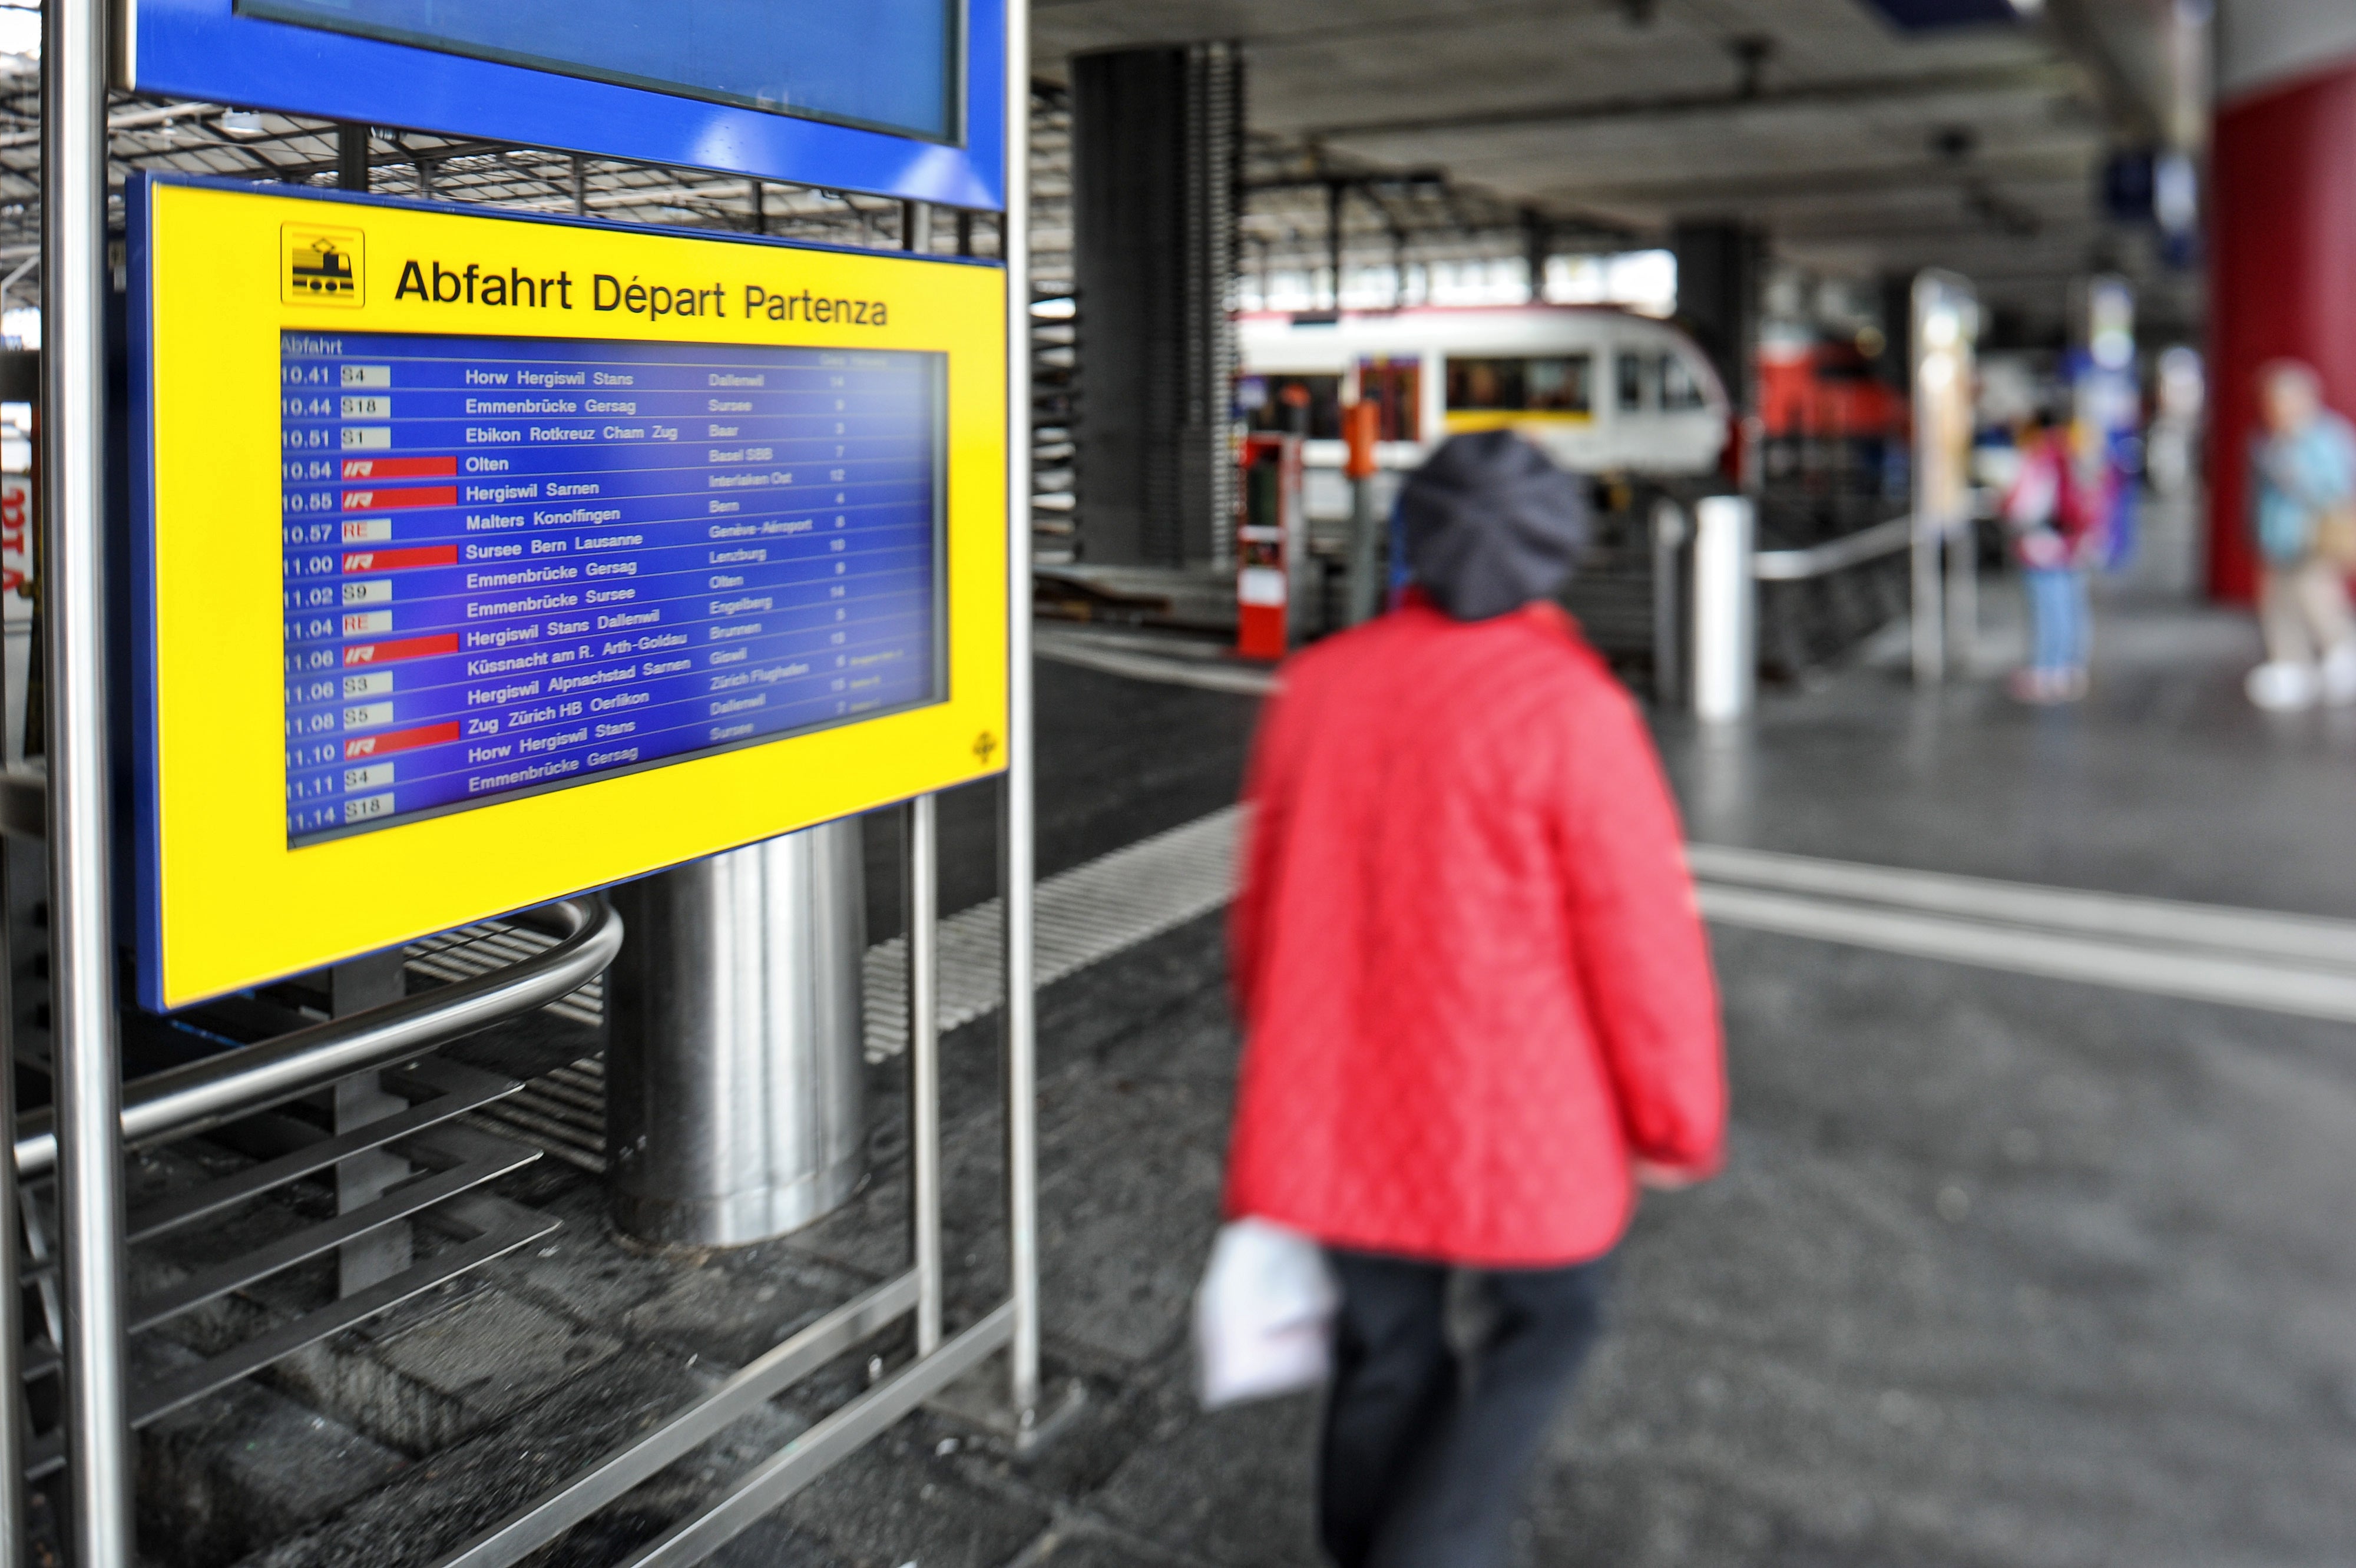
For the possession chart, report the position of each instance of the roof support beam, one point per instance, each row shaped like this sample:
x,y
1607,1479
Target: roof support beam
x,y
1839,93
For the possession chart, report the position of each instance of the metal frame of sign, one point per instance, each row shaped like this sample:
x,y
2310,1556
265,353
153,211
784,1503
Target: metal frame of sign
x,y
224,902
203,49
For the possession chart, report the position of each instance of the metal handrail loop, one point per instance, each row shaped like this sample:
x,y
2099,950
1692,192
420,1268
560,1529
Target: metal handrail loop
x,y
1834,554
218,1088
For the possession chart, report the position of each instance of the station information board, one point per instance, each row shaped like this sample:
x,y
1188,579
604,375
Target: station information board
x,y
517,563
482,560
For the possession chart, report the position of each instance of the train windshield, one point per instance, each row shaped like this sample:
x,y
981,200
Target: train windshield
x,y
1553,384
1680,388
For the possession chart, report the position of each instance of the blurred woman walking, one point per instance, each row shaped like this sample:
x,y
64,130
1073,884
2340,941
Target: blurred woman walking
x,y
1478,1003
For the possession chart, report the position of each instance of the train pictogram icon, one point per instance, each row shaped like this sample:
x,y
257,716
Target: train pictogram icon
x,y
320,268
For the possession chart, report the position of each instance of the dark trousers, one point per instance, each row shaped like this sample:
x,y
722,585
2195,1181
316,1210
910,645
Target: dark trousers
x,y
1423,1462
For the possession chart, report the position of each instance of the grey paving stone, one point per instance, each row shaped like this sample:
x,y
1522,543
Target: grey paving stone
x,y
425,1379
896,1502
731,1308
241,1468
441,1502
1232,1487
582,1268
1079,1546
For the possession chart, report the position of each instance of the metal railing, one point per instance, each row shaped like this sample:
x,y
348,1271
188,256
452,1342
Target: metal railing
x,y
1890,538
240,1081
218,1088
82,1143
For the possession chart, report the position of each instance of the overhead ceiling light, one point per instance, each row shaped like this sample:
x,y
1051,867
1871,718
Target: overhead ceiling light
x,y
240,122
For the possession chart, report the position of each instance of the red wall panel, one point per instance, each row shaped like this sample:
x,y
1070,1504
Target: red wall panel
x,y
2282,279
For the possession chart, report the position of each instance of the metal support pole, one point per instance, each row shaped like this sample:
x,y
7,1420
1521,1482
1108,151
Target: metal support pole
x,y
925,1065
1335,190
1364,579
12,1295
1930,644
1021,1044
1669,532
88,1064
359,985
1963,594
352,157
758,196
916,226
1365,572
579,185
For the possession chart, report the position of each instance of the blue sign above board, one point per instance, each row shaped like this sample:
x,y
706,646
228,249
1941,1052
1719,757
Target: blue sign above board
x,y
900,98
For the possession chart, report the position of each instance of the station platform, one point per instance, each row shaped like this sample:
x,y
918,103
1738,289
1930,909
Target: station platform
x,y
2005,1268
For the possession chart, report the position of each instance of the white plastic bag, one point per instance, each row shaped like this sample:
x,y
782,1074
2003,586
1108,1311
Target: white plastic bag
x,y
1263,1316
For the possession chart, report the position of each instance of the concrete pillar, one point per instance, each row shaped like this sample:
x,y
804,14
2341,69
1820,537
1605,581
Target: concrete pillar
x,y
1156,138
735,1080
2282,236
1719,274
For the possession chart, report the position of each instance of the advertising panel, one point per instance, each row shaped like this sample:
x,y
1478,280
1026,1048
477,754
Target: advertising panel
x,y
481,559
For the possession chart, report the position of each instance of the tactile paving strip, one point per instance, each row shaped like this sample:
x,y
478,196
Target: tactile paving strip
x,y
1083,917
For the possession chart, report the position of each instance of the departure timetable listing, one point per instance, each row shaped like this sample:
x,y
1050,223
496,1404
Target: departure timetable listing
x,y
514,564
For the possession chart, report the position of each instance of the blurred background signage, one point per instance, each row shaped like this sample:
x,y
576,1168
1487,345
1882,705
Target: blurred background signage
x,y
899,98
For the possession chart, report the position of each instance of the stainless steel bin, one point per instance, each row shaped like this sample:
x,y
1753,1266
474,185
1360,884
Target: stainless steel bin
x,y
735,1083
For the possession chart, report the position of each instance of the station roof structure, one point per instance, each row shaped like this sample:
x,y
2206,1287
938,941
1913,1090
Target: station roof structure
x,y
1861,147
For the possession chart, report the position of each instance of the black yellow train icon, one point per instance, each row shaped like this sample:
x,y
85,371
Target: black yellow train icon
x,y
320,268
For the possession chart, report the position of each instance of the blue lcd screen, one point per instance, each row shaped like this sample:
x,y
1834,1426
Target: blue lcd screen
x,y
514,564
887,65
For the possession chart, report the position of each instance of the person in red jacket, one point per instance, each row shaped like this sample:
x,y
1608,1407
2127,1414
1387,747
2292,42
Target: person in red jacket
x,y
1477,1002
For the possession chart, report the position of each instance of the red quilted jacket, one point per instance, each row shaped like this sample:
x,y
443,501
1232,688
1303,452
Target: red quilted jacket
x,y
1471,975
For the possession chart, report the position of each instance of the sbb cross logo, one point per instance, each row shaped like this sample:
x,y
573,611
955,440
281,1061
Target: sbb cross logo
x,y
319,266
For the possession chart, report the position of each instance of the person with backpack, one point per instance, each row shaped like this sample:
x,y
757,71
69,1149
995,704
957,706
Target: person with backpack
x,y
2052,521
2303,474
1477,1002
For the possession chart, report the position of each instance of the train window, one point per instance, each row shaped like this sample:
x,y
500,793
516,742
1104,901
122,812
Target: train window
x,y
1632,376
1680,388
1548,384
1395,388
1302,406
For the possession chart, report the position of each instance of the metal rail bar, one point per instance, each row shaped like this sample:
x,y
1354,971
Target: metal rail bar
x,y
15,1430
812,1454
89,1147
1020,846
327,1235
1833,555
461,1089
925,1065
739,1397
204,1093
499,1228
